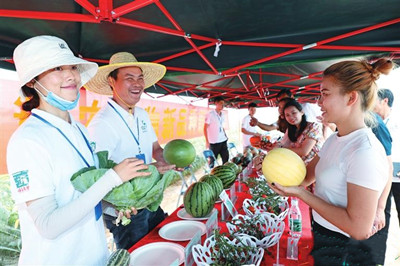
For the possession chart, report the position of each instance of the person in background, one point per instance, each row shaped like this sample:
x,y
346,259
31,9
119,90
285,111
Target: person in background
x,y
282,123
311,114
59,225
214,132
350,171
304,138
382,218
125,130
247,130
384,109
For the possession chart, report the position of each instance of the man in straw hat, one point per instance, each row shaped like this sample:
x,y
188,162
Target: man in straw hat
x,y
125,130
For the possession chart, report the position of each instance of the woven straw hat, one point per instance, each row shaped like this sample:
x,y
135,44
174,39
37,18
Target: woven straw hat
x,y
152,72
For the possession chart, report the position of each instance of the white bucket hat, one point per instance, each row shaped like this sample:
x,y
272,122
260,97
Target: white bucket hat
x,y
41,53
152,72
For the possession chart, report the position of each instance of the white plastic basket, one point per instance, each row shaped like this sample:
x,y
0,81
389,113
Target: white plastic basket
x,y
271,228
202,253
262,208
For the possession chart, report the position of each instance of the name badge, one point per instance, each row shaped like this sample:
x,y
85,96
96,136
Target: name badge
x,y
141,156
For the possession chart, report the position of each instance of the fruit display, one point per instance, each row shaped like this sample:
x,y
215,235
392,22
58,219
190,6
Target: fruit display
x,y
199,199
215,183
179,152
284,167
120,257
226,174
234,166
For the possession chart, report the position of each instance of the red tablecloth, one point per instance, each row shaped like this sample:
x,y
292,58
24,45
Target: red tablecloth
x,y
305,243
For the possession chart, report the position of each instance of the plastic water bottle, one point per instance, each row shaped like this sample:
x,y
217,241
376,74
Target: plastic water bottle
x,y
295,226
295,218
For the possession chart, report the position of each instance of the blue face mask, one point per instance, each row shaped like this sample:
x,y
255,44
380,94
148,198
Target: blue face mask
x,y
57,101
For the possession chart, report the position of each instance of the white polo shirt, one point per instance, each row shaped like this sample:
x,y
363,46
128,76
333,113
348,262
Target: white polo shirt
x,y
41,162
114,130
246,125
215,130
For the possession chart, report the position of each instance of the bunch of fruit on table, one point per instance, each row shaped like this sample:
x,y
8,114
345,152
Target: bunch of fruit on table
x,y
263,142
263,196
245,158
200,197
228,249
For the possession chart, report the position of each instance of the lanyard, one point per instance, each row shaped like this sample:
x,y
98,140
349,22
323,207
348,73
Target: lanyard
x,y
73,146
137,124
221,124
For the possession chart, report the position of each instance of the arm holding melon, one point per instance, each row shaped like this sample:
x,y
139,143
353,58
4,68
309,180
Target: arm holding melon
x,y
161,165
356,220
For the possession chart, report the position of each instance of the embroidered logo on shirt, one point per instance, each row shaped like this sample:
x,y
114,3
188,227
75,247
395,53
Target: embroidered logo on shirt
x,y
143,126
21,180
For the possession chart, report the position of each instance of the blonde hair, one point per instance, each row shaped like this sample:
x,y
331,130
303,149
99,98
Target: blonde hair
x,y
360,76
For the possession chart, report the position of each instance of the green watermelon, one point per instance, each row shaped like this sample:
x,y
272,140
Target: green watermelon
x,y
199,199
226,174
215,183
233,166
179,152
120,257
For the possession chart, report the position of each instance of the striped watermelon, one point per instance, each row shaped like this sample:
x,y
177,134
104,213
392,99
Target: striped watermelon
x,y
199,199
120,257
233,166
215,183
226,174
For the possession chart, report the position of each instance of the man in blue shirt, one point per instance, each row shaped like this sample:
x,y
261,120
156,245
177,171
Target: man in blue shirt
x,y
382,111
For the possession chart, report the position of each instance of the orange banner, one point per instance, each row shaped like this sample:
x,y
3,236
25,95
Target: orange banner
x,y
169,120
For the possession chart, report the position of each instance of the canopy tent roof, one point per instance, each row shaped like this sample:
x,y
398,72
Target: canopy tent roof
x,y
266,46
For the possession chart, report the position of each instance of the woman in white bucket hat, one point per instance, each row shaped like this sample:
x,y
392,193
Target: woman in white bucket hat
x,y
59,225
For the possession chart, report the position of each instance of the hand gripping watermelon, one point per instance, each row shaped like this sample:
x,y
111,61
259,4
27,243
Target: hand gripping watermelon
x,y
284,167
179,152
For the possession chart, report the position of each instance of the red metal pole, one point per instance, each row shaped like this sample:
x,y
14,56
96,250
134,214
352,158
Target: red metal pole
x,y
87,6
182,53
359,48
190,70
130,7
357,32
48,15
149,27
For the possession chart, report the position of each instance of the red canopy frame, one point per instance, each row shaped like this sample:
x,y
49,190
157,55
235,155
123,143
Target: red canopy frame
x,y
106,12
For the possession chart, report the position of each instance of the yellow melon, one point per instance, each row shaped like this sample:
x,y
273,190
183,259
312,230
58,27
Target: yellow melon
x,y
284,167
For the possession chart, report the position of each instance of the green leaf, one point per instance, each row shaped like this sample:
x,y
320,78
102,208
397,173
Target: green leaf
x,y
155,194
82,171
121,196
86,179
142,185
